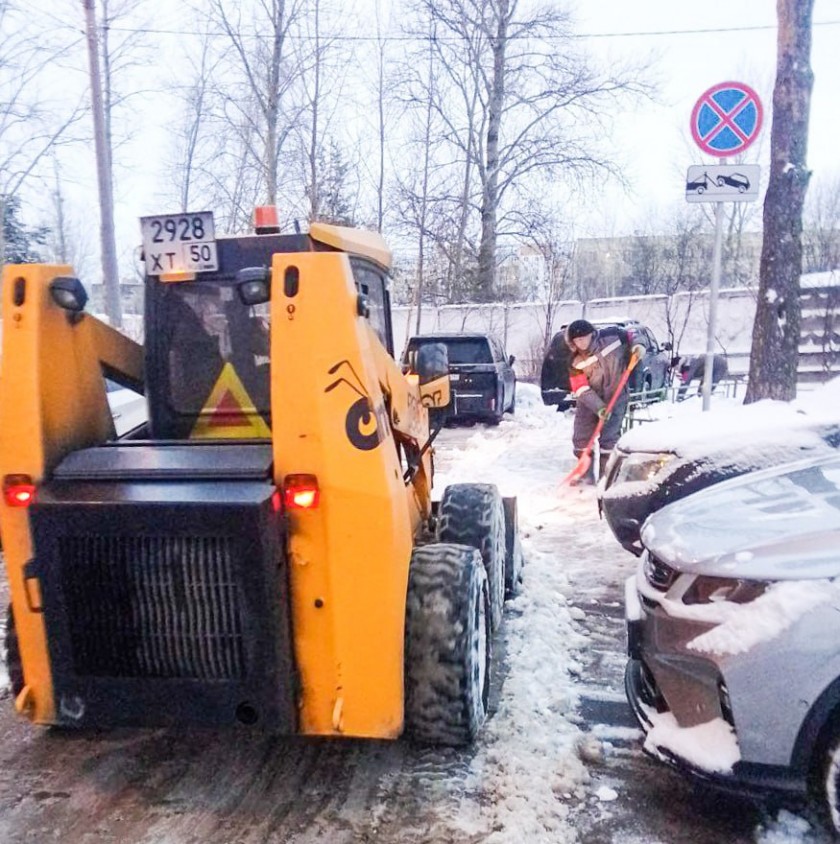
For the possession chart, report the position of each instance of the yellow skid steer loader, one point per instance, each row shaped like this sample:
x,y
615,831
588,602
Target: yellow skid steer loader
x,y
264,550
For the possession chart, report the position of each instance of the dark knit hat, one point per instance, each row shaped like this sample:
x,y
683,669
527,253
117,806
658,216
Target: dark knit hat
x,y
579,328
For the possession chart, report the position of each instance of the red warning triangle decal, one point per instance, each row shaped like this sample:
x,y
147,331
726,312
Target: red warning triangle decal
x,y
229,412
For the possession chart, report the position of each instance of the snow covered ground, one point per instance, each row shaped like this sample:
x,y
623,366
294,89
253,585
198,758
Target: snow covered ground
x,y
541,771
533,756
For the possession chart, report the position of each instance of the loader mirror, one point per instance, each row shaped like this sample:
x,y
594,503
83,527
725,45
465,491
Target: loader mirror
x,y
432,368
69,293
254,285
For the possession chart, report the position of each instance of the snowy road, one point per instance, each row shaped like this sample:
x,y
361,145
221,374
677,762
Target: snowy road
x,y
557,762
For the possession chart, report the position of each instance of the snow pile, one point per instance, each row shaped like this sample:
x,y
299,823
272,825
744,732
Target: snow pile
x,y
787,828
711,746
527,770
765,618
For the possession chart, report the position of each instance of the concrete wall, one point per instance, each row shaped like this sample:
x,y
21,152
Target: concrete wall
x,y
522,326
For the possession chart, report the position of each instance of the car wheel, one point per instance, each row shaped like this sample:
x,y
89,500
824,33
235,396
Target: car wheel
x,y
447,645
720,182
701,189
827,785
512,408
473,514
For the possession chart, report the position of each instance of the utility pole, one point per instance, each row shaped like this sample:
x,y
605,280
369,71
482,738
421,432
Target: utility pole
x,y
110,270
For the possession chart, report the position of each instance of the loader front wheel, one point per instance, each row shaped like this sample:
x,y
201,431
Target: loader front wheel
x,y
14,667
473,514
447,645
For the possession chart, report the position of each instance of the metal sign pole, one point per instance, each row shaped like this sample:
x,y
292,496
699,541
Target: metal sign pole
x,y
708,368
725,120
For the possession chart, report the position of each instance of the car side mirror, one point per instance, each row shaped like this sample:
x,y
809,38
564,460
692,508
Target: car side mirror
x,y
667,347
511,359
432,368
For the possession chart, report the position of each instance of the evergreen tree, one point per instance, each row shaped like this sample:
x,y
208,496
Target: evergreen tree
x,y
19,241
334,205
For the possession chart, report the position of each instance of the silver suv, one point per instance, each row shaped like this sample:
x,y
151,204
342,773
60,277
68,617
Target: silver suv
x,y
733,622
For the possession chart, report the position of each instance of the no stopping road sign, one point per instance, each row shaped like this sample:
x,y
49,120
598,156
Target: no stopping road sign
x,y
726,119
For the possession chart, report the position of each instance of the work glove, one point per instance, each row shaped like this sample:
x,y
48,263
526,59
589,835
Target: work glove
x,y
604,414
638,350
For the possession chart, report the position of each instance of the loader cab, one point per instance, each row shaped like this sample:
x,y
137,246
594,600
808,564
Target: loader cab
x,y
207,352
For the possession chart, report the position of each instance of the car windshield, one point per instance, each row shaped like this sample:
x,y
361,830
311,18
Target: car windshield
x,y
463,350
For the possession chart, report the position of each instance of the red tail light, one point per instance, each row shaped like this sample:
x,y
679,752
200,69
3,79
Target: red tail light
x,y
18,490
300,492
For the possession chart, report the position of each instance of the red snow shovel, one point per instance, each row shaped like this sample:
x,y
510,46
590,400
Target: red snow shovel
x,y
585,459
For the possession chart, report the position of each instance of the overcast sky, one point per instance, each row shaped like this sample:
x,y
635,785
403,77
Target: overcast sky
x,y
659,147
653,138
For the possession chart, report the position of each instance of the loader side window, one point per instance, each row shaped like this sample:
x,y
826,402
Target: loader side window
x,y
372,283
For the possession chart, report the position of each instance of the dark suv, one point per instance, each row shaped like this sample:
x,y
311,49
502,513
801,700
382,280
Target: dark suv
x,y
651,375
482,379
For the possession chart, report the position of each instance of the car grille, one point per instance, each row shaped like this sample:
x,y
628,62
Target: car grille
x,y
658,574
153,606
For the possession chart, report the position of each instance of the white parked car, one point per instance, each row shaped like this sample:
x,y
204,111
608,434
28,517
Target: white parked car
x,y
128,408
733,622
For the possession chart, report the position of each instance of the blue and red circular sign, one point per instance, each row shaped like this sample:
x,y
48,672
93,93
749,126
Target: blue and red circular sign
x,y
726,119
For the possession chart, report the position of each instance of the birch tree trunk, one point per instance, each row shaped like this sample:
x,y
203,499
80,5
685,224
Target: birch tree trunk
x,y
775,341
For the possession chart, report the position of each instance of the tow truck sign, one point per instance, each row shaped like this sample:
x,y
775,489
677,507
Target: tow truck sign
x,y
174,243
722,183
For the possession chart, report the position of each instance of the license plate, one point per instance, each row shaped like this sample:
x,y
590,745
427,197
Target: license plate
x,y
454,376
175,243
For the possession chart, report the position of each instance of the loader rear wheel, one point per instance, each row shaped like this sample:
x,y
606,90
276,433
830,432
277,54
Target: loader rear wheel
x,y
473,514
447,645
14,667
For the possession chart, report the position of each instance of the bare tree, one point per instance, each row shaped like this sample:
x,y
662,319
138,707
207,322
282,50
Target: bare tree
x,y
191,133
30,128
524,102
775,342
254,113
821,236
550,237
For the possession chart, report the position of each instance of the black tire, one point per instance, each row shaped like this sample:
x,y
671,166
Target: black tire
x,y
827,782
512,408
447,645
14,666
473,514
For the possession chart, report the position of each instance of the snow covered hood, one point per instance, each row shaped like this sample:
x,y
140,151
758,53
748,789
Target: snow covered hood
x,y
767,423
779,524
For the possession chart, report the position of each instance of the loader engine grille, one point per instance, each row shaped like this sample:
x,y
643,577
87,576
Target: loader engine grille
x,y
153,606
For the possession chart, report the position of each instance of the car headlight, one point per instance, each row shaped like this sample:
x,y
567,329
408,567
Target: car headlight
x,y
642,466
711,590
